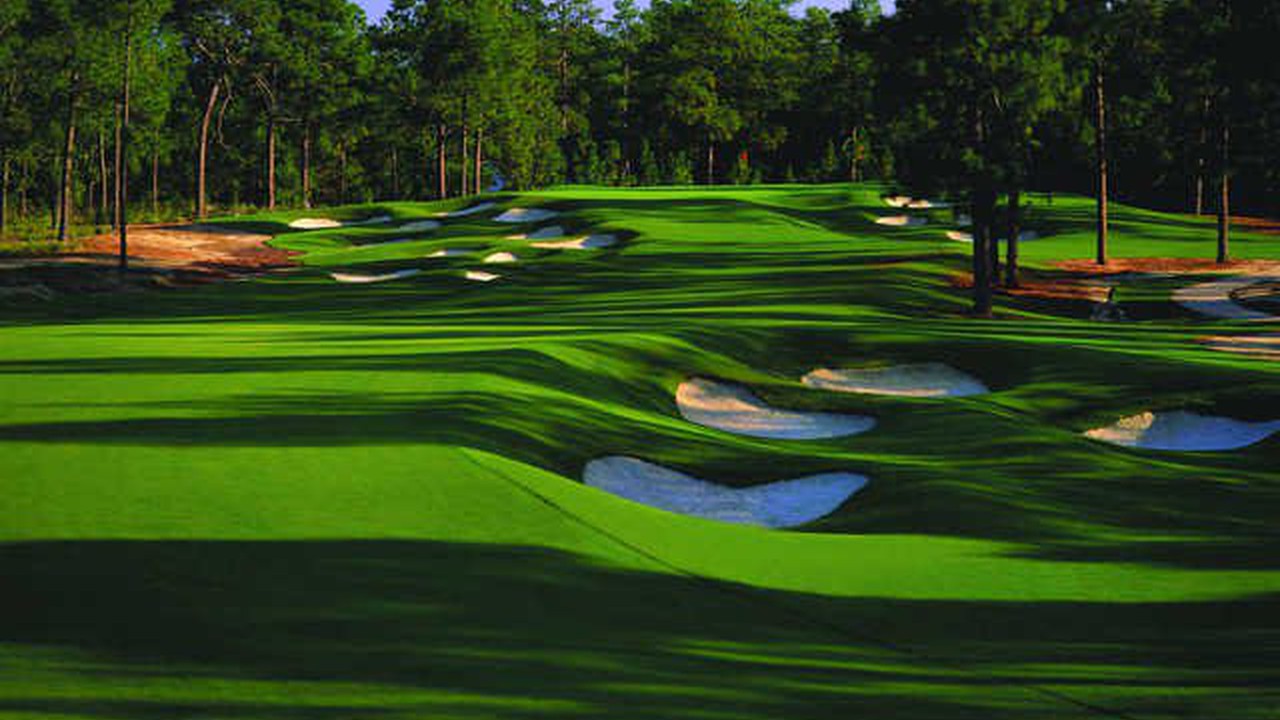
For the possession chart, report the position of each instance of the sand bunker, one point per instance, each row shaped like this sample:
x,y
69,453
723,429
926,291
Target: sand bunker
x,y
449,252
501,258
466,211
1215,299
420,226
1182,430
927,204
365,279
902,221
960,236
783,504
329,224
546,233
916,380
315,224
480,276
897,201
735,409
525,215
590,242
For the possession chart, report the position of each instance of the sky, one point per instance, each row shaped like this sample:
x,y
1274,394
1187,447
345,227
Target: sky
x,y
375,8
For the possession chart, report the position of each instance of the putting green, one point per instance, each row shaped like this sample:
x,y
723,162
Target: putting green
x,y
294,498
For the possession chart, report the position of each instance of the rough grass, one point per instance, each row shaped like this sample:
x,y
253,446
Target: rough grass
x,y
293,499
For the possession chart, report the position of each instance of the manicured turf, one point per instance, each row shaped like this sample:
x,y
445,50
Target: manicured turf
x,y
290,498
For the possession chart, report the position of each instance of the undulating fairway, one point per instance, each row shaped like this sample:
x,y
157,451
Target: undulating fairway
x,y
296,498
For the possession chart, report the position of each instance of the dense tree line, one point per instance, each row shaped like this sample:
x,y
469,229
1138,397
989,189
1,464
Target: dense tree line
x,y
183,106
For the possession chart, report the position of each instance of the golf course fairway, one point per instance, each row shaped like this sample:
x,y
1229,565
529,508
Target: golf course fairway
x,y
291,497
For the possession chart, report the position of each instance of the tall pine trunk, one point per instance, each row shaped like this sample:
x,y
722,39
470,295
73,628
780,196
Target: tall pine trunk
x,y
1014,227
1100,109
155,183
1224,202
122,199
65,200
306,165
202,208
476,176
115,171
395,173
983,202
271,160
993,251
1200,152
711,162
442,167
466,160
104,204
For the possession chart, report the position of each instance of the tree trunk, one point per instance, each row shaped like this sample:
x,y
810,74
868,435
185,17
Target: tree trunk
x,y
115,171
853,156
1224,203
306,165
104,206
711,162
122,201
395,173
1200,159
342,173
271,160
4,196
466,160
1015,227
476,176
442,167
993,252
202,209
68,170
983,201
155,182
1100,103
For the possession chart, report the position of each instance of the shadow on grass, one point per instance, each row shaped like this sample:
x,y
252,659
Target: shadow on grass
x,y
426,629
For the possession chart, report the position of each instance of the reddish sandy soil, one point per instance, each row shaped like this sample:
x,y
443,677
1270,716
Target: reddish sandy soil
x,y
1034,285
1189,266
159,256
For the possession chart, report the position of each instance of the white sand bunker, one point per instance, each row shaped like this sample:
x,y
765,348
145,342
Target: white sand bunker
x,y
546,233
913,380
1216,299
1265,345
783,504
499,258
902,221
466,211
960,236
364,279
525,215
897,201
449,252
736,409
590,242
927,204
420,226
480,276
1182,430
330,224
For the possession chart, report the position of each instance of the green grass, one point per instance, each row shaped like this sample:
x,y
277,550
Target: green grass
x,y
289,498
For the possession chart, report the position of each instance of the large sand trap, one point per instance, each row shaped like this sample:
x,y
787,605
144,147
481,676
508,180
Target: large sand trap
x,y
1182,430
546,233
480,276
736,409
365,279
525,215
590,242
960,236
1214,299
927,204
449,252
330,224
916,380
420,226
501,258
315,224
783,504
902,221
897,201
466,211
